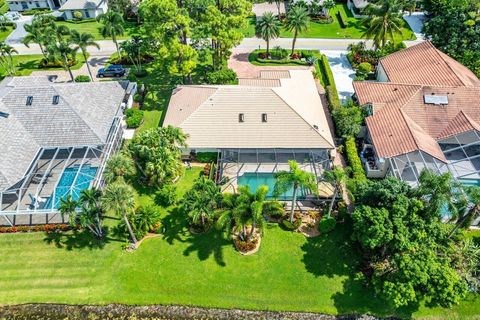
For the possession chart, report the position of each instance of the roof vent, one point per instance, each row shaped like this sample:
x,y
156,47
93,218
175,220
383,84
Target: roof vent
x,y
56,99
29,100
4,114
264,117
435,99
241,117
315,127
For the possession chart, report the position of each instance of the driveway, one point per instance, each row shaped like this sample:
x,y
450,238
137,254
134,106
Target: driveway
x,y
342,72
260,8
19,32
416,21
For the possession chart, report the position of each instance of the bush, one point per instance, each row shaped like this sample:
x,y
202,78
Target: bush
x,y
44,63
206,157
333,99
292,226
32,12
342,20
364,68
245,246
348,120
77,15
134,117
327,225
329,82
222,76
167,195
36,228
358,173
82,78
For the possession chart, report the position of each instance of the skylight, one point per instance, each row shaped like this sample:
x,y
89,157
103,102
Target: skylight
x,y
4,114
56,99
264,117
435,99
241,117
29,100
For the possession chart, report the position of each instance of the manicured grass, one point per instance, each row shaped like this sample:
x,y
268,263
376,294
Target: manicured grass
x,y
290,272
4,33
26,64
333,30
3,7
93,27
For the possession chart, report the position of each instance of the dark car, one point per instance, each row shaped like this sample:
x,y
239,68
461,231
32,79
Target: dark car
x,y
113,70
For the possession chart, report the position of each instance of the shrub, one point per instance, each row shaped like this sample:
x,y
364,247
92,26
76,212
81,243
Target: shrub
x,y
36,228
206,157
134,117
332,96
222,76
82,78
77,15
280,52
348,120
245,246
39,11
292,226
354,160
364,68
44,63
329,82
327,225
167,195
342,20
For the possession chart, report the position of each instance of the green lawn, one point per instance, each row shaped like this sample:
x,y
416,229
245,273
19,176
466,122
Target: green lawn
x,y
333,30
4,33
93,27
290,272
26,64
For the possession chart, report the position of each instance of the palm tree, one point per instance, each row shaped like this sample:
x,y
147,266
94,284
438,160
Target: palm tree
x,y
67,206
257,207
269,28
91,215
82,41
439,192
470,208
120,198
336,177
297,21
63,52
383,22
35,34
6,52
112,26
236,209
294,178
119,165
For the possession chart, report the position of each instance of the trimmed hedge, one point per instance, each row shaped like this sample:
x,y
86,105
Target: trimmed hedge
x,y
134,118
342,20
327,225
291,226
82,78
358,173
206,157
283,61
32,12
331,88
222,76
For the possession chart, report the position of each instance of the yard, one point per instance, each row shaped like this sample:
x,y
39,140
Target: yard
x,y
333,30
26,64
93,27
4,33
290,272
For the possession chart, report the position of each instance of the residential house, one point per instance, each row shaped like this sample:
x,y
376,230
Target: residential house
x,y
88,8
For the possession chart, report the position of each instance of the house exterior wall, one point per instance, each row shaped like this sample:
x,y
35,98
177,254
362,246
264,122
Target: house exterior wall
x,y
381,74
28,5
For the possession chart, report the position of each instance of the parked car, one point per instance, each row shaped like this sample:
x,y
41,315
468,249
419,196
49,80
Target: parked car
x,y
113,70
12,16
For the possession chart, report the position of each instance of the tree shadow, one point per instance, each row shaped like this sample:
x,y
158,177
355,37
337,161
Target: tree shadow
x,y
77,239
208,244
174,226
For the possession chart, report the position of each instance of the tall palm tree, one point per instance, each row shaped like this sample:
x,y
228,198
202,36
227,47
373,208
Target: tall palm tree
x,y
269,28
294,178
82,41
6,60
297,21
35,34
383,22
236,209
439,192
119,197
67,206
119,165
257,207
112,26
470,208
63,52
336,177
91,215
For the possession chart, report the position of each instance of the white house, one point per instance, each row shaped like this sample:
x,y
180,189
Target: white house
x,y
22,5
88,8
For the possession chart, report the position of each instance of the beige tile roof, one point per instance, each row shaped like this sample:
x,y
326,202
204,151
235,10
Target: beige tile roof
x,y
258,82
295,116
426,65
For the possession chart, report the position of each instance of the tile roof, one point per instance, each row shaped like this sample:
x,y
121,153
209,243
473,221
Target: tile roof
x,y
424,64
80,4
83,116
295,116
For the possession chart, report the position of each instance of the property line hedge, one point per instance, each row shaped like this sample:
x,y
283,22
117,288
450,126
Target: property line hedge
x,y
358,173
330,88
342,20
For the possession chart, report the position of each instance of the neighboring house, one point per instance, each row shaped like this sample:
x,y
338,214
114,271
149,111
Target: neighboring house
x,y
257,126
425,113
88,8
22,5
55,140
356,6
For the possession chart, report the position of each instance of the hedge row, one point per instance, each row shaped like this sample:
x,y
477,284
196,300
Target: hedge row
x,y
342,20
358,173
329,81
36,228
283,61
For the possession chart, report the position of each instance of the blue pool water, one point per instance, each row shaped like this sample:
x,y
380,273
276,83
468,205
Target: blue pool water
x,y
254,180
470,182
85,177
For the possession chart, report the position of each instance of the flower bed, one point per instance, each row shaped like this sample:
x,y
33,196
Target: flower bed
x,y
36,228
279,56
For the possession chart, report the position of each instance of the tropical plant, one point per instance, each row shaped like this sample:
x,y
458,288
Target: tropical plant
x,y
336,177
36,32
297,21
135,49
294,178
67,205
200,202
383,22
82,41
64,52
468,207
120,165
268,28
146,219
112,26
120,198
6,60
91,215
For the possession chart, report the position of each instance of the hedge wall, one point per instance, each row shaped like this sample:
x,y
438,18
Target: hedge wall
x,y
358,173
329,81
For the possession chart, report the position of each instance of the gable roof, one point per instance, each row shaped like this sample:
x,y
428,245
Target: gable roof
x,y
83,116
295,117
80,4
423,64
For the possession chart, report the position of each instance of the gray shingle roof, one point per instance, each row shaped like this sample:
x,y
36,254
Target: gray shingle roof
x,y
83,116
80,4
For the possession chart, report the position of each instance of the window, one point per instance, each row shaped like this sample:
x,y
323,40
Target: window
x,y
29,100
56,99
264,117
4,114
241,117
87,15
37,4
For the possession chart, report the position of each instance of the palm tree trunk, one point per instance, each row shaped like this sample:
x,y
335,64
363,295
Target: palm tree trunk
x,y
129,227
330,207
114,38
294,201
294,40
268,48
43,51
88,66
65,59
252,231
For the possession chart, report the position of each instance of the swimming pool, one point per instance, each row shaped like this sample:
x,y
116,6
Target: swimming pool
x,y
254,180
470,182
85,177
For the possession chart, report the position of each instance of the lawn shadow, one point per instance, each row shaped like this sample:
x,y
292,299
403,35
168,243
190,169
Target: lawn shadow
x,y
77,239
208,244
174,225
